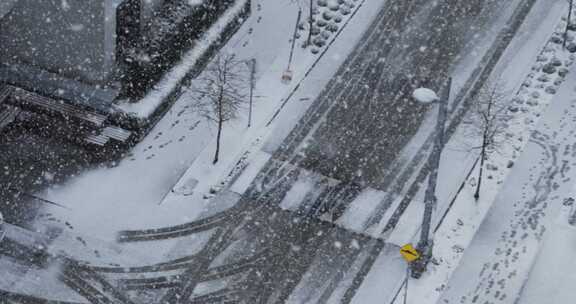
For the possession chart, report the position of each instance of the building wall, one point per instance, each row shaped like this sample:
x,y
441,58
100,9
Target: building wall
x,y
72,37
148,9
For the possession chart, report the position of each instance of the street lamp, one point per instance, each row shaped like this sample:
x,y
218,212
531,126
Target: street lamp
x,y
425,96
2,229
287,76
426,243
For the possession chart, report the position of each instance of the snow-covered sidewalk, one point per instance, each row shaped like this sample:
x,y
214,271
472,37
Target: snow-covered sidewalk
x,y
243,146
555,263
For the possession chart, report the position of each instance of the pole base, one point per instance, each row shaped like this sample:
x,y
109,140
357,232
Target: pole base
x,y
418,267
287,77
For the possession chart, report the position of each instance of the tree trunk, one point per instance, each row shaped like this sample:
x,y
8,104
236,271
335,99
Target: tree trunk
x,y
482,159
310,24
218,137
568,23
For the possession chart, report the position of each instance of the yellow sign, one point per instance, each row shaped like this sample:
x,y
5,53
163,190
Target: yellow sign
x,y
409,253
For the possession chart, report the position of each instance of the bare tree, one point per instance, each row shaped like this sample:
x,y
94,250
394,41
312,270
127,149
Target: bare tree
x,y
307,5
487,122
221,92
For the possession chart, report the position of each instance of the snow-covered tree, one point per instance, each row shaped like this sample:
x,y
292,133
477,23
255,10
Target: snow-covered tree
x,y
221,92
487,123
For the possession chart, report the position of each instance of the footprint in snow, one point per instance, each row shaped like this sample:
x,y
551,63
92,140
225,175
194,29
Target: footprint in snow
x,y
192,127
81,240
165,144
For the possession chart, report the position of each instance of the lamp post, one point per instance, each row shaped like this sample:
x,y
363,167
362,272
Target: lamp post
x,y
287,76
426,242
2,229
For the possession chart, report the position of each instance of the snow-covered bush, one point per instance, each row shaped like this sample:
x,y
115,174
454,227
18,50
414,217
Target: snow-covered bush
x,y
326,17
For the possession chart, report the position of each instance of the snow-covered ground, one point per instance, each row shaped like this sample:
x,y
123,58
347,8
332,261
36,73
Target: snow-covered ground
x,y
169,177
555,263
484,249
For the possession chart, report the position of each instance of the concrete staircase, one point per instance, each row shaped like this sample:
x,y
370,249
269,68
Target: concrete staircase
x,y
99,132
